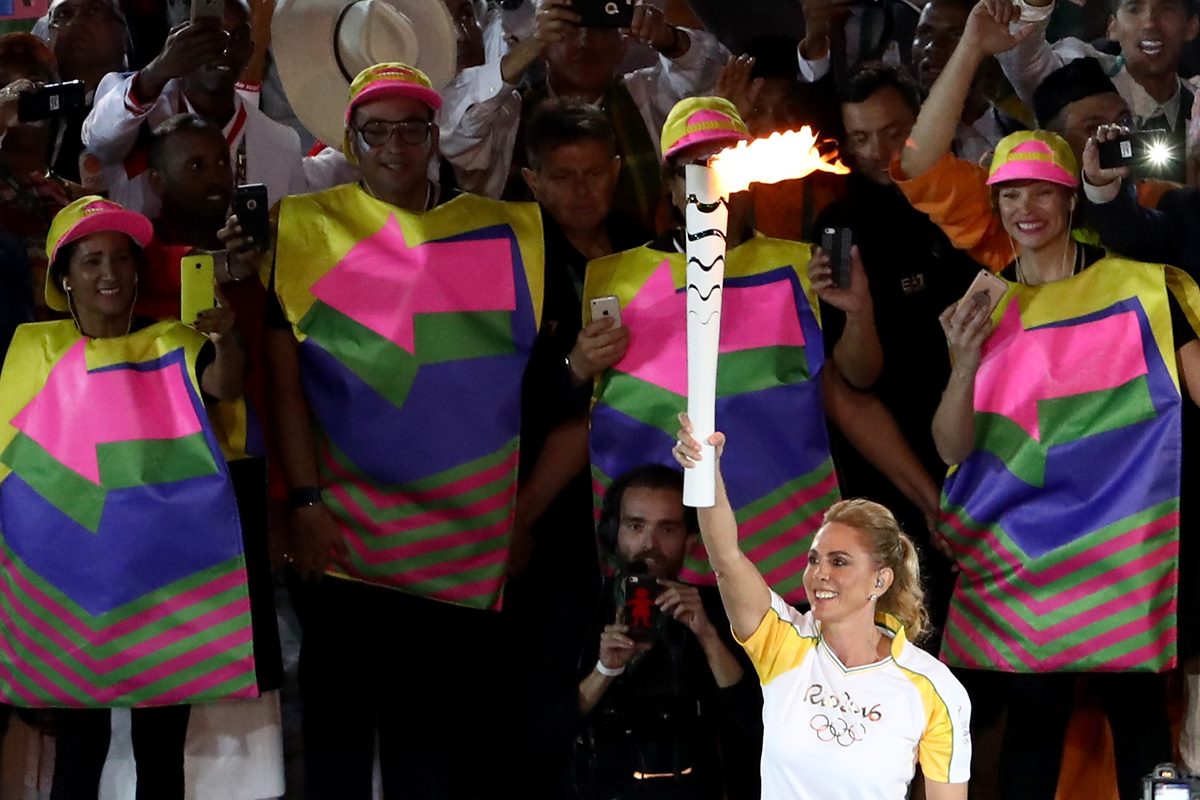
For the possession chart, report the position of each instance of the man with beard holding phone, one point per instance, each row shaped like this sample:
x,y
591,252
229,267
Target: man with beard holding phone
x,y
674,714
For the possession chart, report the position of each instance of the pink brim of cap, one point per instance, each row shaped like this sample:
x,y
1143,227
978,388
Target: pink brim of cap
x,y
1031,170
130,223
396,89
710,135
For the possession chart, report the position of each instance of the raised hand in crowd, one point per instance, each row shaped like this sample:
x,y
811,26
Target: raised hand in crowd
x,y
226,376
986,34
553,23
967,325
683,602
216,322
736,86
189,46
650,27
1093,173
821,17
10,100
243,250
599,345
852,299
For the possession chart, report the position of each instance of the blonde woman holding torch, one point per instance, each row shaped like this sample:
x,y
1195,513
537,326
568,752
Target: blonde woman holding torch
x,y
850,706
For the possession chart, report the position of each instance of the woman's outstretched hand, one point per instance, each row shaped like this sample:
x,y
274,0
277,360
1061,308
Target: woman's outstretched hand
x,y
687,449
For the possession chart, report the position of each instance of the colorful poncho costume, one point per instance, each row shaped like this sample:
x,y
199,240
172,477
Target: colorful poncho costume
x,y
779,475
124,578
1065,517
414,331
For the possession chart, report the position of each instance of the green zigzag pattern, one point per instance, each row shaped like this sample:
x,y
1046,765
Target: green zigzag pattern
x,y
27,610
156,461
1088,611
437,338
447,529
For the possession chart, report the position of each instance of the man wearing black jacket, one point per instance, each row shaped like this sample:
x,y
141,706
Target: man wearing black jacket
x,y
676,714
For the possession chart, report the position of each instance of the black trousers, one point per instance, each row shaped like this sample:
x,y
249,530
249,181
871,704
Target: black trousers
x,y
81,748
427,678
1039,711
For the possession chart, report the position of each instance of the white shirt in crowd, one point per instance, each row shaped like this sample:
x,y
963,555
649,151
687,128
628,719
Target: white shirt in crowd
x,y
481,113
1028,64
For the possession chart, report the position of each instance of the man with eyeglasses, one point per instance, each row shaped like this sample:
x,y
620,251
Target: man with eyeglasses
x,y
196,72
403,317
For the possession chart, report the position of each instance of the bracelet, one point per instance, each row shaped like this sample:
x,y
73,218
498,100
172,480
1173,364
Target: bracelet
x,y
606,672
303,497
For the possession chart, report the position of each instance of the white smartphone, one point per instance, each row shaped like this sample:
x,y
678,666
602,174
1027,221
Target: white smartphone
x,y
607,306
208,9
991,285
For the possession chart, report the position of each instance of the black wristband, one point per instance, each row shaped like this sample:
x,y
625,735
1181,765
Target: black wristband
x,y
304,496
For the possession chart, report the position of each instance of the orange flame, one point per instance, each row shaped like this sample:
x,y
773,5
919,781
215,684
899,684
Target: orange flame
x,y
781,156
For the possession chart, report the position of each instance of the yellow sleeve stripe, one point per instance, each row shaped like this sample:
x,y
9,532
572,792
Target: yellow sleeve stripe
x,y
776,647
935,753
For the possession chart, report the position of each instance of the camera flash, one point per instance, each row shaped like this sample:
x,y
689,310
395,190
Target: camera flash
x,y
1159,153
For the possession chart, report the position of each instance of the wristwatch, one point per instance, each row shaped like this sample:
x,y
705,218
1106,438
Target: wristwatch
x,y
304,496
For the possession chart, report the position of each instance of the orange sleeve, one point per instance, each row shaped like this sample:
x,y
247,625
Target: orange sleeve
x,y
1150,191
954,194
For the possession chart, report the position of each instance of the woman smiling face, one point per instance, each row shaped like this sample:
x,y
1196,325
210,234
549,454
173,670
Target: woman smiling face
x,y
841,576
1036,214
101,276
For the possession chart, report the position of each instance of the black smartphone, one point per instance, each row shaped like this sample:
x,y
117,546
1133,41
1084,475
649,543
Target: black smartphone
x,y
640,611
51,100
250,206
836,243
604,13
1150,152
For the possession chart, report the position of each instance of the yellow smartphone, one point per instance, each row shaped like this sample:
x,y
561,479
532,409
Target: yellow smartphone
x,y
196,286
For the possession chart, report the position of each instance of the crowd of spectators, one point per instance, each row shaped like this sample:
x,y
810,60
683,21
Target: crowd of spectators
x,y
445,511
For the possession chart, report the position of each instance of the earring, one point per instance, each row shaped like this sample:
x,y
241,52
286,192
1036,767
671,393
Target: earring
x,y
872,597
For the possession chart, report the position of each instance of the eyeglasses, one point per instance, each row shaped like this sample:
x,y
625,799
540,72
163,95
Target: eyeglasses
x,y
377,132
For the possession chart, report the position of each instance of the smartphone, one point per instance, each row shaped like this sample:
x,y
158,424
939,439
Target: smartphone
x,y
250,206
604,13
989,284
836,243
196,286
1150,151
640,612
208,9
607,306
51,100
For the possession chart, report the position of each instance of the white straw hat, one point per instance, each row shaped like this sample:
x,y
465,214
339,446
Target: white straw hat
x,y
320,45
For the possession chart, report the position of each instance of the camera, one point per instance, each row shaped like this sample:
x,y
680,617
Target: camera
x,y
1167,782
1151,152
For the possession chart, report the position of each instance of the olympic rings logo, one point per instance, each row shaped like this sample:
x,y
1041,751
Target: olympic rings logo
x,y
837,730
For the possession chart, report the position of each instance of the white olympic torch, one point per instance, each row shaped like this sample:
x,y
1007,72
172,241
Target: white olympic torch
x,y
707,218
779,157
